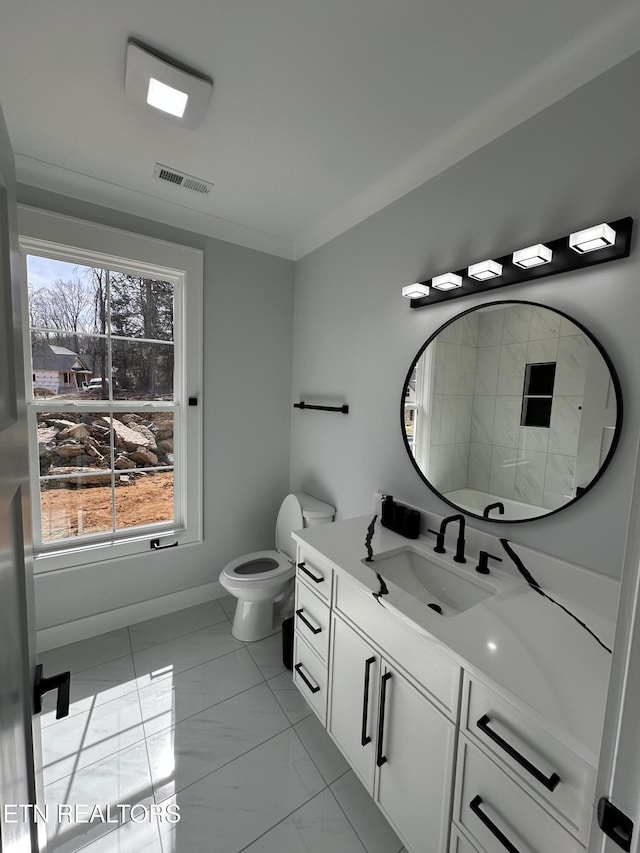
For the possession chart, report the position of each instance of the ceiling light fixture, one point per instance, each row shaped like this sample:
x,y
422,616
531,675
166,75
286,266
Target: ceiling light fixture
x,y
448,281
532,256
598,244
485,270
175,92
413,291
592,239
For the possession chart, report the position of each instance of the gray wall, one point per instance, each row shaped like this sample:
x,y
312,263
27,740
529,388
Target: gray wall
x,y
248,305
573,165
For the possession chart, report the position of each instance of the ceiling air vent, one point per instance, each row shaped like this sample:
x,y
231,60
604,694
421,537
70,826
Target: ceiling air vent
x,y
181,179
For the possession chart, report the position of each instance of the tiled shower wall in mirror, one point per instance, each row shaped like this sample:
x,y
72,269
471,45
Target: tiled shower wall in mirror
x,y
476,439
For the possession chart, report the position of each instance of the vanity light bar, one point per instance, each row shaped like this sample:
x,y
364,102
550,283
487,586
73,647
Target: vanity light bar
x,y
485,270
595,245
413,291
532,256
448,281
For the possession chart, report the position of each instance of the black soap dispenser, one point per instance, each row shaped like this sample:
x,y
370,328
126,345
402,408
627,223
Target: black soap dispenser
x,y
387,518
411,523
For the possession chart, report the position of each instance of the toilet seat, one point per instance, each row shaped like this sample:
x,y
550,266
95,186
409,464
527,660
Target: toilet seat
x,y
259,565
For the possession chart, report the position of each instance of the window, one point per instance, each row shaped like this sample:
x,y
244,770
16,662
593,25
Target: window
x,y
537,397
411,410
114,357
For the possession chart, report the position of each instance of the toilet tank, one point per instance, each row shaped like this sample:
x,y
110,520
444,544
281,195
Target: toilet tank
x,y
314,511
299,510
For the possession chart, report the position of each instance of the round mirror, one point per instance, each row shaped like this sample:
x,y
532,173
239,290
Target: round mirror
x,y
511,411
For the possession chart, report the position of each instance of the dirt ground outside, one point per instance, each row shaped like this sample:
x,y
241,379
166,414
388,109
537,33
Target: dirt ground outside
x,y
71,512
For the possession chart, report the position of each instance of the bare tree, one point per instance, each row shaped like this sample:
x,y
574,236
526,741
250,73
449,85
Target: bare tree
x,y
64,309
138,312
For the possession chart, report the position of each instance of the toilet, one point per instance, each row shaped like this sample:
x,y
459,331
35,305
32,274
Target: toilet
x,y
263,580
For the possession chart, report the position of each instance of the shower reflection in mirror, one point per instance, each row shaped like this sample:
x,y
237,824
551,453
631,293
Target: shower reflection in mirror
x,y
511,403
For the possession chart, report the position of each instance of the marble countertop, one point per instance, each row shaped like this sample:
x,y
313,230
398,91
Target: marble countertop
x,y
530,648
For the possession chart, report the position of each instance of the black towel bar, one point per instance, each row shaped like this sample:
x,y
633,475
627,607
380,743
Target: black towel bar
x,y
302,405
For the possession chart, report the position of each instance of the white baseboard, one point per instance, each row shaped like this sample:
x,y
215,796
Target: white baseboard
x,y
100,623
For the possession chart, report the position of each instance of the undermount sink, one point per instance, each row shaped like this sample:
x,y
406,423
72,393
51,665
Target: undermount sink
x,y
429,582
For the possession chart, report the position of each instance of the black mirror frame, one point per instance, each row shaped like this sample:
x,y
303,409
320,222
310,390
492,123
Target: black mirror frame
x,y
619,411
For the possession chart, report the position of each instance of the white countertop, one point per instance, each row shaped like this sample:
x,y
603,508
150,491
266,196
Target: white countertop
x,y
522,642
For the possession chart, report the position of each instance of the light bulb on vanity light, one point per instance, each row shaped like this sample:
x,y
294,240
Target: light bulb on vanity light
x,y
532,256
485,270
448,281
415,291
592,239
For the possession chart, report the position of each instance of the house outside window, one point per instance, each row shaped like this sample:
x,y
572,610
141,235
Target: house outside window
x,y
115,359
51,363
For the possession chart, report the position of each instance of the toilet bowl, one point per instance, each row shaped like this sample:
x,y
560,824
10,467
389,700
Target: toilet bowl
x,y
263,580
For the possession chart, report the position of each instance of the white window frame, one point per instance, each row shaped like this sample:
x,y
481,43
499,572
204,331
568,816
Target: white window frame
x,y
85,243
420,444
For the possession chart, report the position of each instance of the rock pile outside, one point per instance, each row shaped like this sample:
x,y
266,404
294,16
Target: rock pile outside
x,y
75,444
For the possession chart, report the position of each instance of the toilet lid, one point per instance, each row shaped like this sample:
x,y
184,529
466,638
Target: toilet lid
x,y
289,519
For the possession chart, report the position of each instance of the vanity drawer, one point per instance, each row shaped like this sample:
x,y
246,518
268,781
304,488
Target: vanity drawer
x,y
563,783
312,620
315,572
438,675
310,677
492,809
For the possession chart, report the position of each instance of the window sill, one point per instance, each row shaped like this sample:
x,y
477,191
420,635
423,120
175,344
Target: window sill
x,y
88,553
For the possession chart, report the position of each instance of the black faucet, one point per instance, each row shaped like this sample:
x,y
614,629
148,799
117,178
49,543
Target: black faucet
x,y
497,505
439,548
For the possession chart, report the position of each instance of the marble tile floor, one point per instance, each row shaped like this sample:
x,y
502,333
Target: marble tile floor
x,y
176,712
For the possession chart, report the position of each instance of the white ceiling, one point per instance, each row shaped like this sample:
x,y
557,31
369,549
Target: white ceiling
x,y
323,111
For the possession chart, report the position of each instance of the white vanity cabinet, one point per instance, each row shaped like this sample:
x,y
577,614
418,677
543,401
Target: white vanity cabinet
x,y
456,762
400,745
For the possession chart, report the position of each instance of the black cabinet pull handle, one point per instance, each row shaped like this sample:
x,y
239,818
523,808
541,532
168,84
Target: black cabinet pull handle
x,y
302,617
380,758
304,569
312,687
474,805
549,782
60,682
364,737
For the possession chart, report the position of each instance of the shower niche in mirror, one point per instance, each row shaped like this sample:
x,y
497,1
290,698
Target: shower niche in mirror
x,y
511,411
